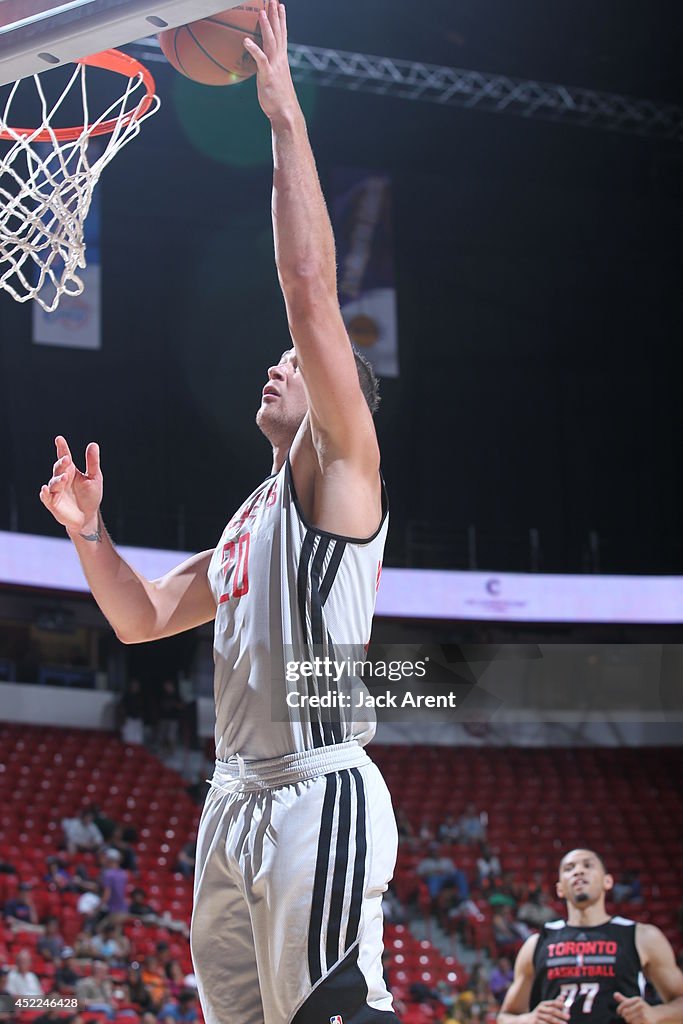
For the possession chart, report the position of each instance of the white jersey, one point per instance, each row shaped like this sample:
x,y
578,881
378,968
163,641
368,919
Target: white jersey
x,y
286,593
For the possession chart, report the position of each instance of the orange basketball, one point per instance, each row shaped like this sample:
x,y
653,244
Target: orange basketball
x,y
211,51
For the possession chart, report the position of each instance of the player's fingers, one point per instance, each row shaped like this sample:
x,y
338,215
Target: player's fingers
x,y
267,34
282,16
56,484
256,52
61,464
92,459
61,446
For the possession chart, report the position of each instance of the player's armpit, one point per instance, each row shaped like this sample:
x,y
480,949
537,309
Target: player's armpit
x,y
341,421
180,600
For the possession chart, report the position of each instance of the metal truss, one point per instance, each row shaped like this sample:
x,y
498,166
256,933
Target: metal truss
x,y
477,90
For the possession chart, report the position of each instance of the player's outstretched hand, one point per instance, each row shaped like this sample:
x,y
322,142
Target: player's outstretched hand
x,y
71,496
274,79
634,1010
552,1011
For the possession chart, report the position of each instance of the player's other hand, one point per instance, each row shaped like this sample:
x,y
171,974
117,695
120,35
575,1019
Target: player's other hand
x,y
552,1011
73,497
274,80
634,1010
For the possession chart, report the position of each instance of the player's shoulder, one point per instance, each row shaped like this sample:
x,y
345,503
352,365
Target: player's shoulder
x,y
648,934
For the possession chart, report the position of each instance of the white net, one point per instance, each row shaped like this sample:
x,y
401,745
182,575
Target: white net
x,y
47,182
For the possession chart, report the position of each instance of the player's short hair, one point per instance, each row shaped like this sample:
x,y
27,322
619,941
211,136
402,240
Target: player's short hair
x,y
588,849
367,378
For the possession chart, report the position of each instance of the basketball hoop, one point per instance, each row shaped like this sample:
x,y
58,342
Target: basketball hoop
x,y
47,178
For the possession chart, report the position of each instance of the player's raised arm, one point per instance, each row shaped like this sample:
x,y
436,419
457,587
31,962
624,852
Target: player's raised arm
x,y
137,609
515,1008
341,422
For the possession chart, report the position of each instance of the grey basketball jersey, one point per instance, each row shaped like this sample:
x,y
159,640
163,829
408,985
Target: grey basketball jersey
x,y
287,593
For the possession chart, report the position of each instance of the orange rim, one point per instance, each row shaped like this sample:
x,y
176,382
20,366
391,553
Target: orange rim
x,y
110,60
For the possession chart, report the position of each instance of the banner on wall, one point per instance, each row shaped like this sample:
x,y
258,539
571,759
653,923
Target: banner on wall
x,y
76,323
363,228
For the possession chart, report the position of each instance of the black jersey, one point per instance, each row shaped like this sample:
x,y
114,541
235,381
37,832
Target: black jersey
x,y
587,966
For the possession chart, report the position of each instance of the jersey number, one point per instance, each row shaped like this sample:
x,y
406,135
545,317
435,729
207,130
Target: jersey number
x,y
236,555
588,989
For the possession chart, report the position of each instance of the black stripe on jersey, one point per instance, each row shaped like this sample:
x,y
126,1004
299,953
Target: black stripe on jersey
x,y
341,860
320,879
336,726
323,730
302,578
332,569
359,863
302,587
317,636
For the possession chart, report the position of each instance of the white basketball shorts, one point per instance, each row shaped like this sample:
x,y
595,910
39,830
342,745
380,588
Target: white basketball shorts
x,y
293,856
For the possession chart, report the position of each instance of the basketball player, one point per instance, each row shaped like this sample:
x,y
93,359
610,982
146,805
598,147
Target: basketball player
x,y
297,840
590,967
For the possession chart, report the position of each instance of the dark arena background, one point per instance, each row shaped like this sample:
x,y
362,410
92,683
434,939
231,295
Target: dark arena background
x,y
529,240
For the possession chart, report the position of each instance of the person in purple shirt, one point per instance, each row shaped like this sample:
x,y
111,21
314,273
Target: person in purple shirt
x,y
115,883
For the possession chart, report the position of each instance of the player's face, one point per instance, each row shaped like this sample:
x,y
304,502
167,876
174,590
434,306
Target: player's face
x,y
283,400
582,880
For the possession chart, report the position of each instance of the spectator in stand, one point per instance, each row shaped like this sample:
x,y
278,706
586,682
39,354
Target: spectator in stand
x,y
182,1012
504,892
83,946
506,935
139,908
126,849
186,859
81,834
426,833
471,826
488,866
536,911
405,829
164,956
449,830
96,993
536,886
7,1011
500,978
51,944
154,981
112,945
57,877
176,978
114,882
629,889
441,877
138,993
66,978
132,713
104,824
21,981
20,911
170,712
91,907
393,909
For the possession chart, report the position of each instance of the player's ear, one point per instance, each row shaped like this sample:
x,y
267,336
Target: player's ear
x,y
559,891
608,882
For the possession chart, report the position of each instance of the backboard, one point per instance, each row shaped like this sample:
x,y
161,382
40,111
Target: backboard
x,y
38,34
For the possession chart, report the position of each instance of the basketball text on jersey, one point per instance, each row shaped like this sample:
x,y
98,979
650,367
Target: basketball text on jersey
x,y
586,966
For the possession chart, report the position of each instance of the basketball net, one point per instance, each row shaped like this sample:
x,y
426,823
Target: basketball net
x,y
48,174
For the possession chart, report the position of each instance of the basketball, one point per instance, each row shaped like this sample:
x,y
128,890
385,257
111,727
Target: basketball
x,y
211,51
